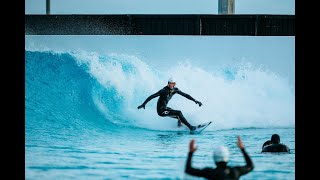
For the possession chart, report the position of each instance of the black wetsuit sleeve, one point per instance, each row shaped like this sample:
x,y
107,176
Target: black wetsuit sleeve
x,y
266,143
185,95
151,97
193,171
249,164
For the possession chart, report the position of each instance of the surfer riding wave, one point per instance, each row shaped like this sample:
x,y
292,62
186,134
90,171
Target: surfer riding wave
x,y
166,94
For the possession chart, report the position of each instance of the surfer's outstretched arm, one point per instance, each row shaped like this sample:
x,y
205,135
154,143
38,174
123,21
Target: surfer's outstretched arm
x,y
188,97
148,99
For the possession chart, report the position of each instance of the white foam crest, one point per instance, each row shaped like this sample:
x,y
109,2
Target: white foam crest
x,y
254,97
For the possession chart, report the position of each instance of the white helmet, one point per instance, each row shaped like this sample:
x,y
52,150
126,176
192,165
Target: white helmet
x,y
221,154
171,80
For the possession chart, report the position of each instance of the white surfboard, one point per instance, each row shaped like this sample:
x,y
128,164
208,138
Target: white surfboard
x,y
201,127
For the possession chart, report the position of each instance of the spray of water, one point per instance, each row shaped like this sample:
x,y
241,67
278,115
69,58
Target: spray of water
x,y
233,97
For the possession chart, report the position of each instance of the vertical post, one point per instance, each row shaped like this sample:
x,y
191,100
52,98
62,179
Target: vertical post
x,y
200,26
47,7
226,6
197,25
256,24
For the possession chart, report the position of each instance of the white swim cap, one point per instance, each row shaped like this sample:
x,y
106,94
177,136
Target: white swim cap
x,y
171,80
221,154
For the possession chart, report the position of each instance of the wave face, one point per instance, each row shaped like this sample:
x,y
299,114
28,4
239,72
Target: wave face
x,y
74,90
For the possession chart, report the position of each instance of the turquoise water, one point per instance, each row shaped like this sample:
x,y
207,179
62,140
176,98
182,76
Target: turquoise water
x,y
82,121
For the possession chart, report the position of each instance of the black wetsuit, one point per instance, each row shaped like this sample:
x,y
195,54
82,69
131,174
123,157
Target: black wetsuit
x,y
165,95
222,171
268,146
266,143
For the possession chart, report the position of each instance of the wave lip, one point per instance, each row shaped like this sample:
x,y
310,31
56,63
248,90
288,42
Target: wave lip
x,y
84,88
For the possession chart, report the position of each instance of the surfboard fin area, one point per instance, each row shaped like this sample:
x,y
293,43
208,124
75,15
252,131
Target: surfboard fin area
x,y
201,127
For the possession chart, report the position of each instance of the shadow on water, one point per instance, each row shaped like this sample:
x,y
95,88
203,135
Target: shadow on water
x,y
170,137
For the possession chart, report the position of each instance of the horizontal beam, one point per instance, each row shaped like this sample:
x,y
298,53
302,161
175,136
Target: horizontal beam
x,y
240,25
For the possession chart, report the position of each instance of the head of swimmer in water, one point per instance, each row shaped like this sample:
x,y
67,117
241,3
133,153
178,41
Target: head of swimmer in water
x,y
275,139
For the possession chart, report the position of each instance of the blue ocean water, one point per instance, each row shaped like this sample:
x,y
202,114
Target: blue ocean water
x,y
82,120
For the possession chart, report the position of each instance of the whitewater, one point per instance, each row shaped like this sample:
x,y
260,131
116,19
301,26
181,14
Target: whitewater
x,y
82,120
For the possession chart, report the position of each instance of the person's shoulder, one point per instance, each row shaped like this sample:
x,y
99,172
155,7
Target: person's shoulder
x,y
208,169
164,88
266,143
285,146
176,89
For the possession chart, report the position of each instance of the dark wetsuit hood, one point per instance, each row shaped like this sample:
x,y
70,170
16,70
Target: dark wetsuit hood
x,y
275,139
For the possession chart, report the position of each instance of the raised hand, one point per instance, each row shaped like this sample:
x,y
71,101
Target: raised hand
x,y
141,106
198,102
240,145
192,147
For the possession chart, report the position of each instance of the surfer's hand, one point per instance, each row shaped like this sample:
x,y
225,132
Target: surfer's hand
x,y
240,145
198,102
141,106
192,147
